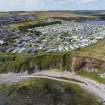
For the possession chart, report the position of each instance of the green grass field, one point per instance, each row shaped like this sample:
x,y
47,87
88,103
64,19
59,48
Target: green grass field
x,y
95,51
91,75
30,22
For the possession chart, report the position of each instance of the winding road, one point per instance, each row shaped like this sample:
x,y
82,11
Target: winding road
x,y
90,86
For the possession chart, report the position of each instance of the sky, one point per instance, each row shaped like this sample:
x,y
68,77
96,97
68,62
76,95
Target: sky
x,y
30,5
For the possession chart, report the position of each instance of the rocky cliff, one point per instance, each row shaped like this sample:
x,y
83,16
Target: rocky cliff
x,y
67,61
87,63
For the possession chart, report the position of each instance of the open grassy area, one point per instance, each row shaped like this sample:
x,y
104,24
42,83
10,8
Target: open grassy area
x,y
5,14
65,14
25,23
91,75
95,51
23,26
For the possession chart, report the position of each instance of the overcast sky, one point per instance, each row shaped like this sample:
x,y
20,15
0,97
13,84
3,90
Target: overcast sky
x,y
26,5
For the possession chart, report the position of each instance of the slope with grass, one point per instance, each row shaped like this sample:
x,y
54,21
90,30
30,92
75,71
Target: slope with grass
x,y
45,92
92,75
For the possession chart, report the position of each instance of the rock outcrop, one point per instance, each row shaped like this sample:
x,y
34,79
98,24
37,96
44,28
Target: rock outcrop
x,y
87,63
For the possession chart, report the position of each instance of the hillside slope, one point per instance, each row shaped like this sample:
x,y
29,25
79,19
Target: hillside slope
x,y
45,92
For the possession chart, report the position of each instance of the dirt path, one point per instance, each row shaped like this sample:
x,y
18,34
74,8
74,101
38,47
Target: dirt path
x,y
91,86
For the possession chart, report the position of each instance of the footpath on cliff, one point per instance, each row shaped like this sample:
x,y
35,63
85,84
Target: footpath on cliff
x,y
88,85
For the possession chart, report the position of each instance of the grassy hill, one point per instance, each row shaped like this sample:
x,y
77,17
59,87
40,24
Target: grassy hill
x,y
41,15
54,13
96,51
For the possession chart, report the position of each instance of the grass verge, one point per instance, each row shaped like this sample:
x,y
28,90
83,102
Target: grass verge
x,y
92,75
